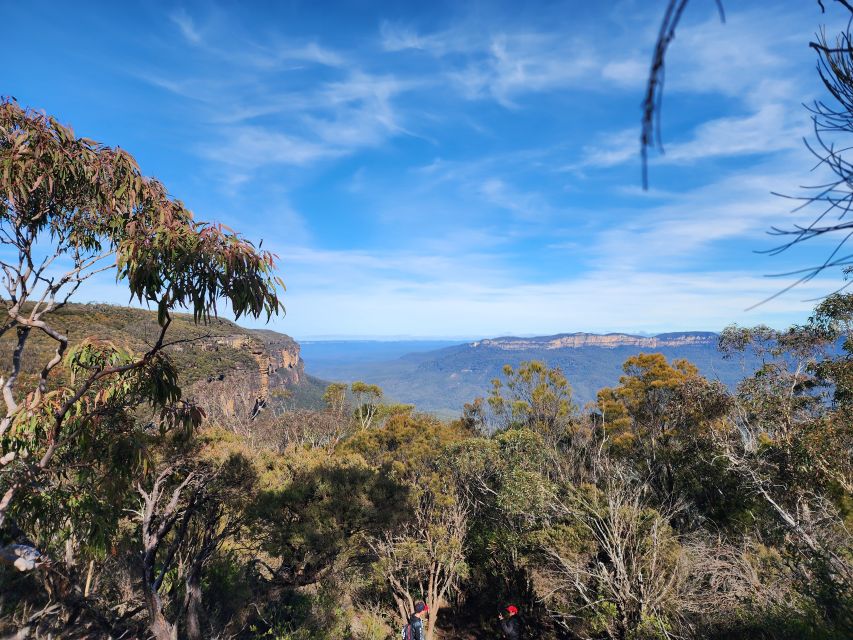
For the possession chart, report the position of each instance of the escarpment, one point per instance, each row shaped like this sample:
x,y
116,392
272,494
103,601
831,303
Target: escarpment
x,y
276,358
219,357
610,340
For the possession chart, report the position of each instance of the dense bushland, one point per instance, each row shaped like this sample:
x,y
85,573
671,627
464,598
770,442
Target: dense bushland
x,y
669,508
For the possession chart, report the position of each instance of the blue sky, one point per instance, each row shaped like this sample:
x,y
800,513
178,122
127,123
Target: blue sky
x,y
458,169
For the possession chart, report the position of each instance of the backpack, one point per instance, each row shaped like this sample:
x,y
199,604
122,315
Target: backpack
x,y
407,632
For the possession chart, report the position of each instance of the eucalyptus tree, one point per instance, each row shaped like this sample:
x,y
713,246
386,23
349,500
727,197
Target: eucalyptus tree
x,y
71,208
790,443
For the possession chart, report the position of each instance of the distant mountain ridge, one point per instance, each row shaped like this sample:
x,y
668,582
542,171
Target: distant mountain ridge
x,y
606,340
442,379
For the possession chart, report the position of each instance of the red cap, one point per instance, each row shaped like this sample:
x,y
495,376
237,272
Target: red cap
x,y
512,609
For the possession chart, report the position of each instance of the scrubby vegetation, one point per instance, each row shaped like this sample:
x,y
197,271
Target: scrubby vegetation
x,y
669,508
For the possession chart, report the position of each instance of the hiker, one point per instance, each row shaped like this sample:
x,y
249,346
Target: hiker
x,y
511,623
415,629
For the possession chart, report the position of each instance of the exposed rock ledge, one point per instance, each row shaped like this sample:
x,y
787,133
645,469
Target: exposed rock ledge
x,y
277,356
607,341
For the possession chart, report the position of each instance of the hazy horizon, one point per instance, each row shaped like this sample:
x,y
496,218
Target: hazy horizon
x,y
404,338
250,323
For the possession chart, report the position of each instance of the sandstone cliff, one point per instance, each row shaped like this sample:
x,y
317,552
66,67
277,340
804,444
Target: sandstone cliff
x,y
276,358
210,358
610,340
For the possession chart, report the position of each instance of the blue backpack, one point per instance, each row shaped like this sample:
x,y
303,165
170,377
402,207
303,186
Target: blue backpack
x,y
412,631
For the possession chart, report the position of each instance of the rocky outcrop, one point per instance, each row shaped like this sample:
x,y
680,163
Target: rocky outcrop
x,y
281,357
213,357
276,355
607,341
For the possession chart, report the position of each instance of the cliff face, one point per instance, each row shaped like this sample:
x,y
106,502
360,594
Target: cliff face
x,y
220,351
607,341
280,356
276,356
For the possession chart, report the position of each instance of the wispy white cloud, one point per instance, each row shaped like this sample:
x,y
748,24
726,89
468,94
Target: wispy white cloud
x,y
459,38
523,63
772,128
740,60
397,37
631,73
682,229
504,61
491,62
751,67
448,297
262,113
273,52
249,147
611,149
528,205
330,121
186,26
272,56
362,109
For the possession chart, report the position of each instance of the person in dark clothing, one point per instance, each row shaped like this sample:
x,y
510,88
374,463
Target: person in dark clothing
x,y
416,622
511,623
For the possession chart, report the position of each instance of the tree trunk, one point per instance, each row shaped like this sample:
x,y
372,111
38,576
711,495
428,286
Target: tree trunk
x,y
622,624
430,625
193,604
161,629
434,604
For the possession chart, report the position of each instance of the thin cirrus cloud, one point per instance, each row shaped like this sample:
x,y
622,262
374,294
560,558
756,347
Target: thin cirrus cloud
x,y
502,64
649,301
340,118
249,147
527,206
265,111
686,228
334,119
186,26
772,128
751,67
520,64
249,52
741,60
